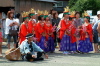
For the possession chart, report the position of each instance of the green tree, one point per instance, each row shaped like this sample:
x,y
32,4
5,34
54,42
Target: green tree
x,y
81,5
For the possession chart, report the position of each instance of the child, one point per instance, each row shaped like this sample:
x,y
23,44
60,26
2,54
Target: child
x,y
86,36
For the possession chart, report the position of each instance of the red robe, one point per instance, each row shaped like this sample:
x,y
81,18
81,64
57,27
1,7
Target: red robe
x,y
49,29
32,26
40,29
73,31
63,28
23,32
89,32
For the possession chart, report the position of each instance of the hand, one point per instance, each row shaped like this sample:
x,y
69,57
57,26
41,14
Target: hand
x,y
43,34
46,56
33,56
15,23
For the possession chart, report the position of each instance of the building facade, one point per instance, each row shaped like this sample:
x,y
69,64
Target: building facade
x,y
60,4
25,5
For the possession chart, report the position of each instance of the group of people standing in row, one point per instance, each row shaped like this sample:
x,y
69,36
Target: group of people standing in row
x,y
70,33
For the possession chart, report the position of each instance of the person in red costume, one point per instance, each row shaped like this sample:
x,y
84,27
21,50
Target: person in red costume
x,y
32,21
86,36
64,32
49,33
32,24
72,29
24,27
41,32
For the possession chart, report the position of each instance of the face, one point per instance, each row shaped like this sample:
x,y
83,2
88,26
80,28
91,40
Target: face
x,y
26,20
53,11
11,15
30,39
77,15
66,16
56,15
98,15
73,19
85,20
47,18
42,18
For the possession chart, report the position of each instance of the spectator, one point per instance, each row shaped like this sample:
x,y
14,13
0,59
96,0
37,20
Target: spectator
x,y
13,11
11,23
17,16
77,21
95,33
51,13
78,24
55,22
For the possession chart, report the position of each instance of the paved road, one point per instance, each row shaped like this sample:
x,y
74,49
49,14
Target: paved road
x,y
58,59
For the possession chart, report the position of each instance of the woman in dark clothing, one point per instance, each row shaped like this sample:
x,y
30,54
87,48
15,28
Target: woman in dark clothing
x,y
55,22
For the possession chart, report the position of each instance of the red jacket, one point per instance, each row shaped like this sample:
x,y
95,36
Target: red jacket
x,y
23,32
89,32
49,29
73,31
63,28
32,26
39,30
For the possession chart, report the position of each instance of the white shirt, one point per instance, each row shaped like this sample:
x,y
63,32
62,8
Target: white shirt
x,y
34,20
8,22
95,20
16,20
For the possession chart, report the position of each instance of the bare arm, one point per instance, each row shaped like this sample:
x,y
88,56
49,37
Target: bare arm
x,y
98,28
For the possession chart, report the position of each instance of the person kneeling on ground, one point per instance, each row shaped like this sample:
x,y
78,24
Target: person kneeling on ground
x,y
28,50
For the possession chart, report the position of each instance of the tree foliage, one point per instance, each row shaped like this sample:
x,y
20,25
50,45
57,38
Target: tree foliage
x,y
81,5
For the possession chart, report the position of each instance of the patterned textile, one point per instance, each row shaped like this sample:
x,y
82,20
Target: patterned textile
x,y
85,45
65,43
50,45
43,44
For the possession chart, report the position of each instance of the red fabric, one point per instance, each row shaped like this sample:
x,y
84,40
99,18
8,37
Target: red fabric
x,y
89,32
39,30
31,26
23,32
73,31
1,38
63,28
49,29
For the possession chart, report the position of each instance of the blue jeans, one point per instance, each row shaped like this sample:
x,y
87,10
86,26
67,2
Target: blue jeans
x,y
9,39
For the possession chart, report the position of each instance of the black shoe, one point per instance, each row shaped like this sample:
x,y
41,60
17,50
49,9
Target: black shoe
x,y
38,59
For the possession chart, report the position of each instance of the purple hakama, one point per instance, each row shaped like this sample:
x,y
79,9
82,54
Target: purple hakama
x,y
43,44
85,45
51,46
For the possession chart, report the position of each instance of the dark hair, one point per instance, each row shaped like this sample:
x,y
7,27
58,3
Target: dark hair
x,y
88,19
70,18
54,15
40,17
77,13
17,15
46,17
8,14
51,11
64,14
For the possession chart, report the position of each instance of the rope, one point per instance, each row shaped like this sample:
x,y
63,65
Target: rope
x,y
11,51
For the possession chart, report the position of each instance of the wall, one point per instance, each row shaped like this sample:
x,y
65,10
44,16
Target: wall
x,y
25,5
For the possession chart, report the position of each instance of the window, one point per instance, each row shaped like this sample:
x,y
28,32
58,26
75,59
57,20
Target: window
x,y
59,4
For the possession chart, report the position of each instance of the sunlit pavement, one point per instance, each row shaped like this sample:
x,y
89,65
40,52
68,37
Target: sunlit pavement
x,y
57,59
